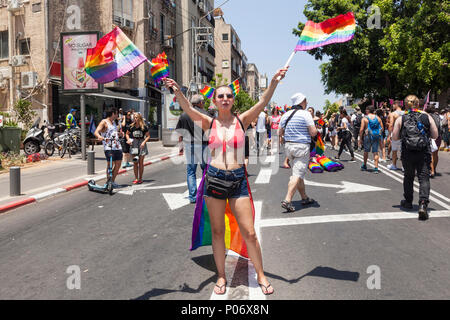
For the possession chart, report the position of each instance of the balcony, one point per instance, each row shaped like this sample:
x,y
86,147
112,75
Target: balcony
x,y
211,50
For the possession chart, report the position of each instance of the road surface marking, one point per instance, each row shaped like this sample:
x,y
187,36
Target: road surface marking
x,y
264,176
347,187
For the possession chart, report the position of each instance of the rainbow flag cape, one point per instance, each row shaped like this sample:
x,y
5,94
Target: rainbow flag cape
x,y
207,92
329,165
315,167
235,87
113,56
159,67
320,146
201,227
335,30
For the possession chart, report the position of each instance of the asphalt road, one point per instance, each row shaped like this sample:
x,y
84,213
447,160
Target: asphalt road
x,y
354,243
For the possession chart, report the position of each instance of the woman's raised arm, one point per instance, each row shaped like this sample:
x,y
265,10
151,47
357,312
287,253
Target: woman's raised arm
x,y
195,115
251,114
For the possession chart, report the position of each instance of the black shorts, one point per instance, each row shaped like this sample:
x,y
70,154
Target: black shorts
x,y
116,155
125,146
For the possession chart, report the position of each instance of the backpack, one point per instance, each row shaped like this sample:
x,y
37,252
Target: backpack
x,y
357,121
413,134
374,128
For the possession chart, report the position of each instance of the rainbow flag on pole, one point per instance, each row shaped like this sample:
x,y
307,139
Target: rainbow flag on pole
x,y
335,30
113,56
207,91
201,227
160,67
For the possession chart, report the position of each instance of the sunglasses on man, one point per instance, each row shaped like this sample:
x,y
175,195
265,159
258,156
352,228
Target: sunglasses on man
x,y
221,96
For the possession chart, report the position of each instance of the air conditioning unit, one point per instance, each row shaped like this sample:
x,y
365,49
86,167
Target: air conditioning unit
x,y
17,61
205,79
168,42
201,6
28,79
14,5
118,20
129,24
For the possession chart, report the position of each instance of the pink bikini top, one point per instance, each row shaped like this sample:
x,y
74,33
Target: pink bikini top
x,y
237,141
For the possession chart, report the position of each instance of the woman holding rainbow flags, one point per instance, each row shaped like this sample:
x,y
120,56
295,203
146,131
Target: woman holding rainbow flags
x,y
226,141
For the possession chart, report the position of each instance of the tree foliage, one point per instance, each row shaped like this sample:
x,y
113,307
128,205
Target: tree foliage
x,y
409,53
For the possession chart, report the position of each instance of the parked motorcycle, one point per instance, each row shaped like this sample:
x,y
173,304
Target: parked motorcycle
x,y
56,135
34,138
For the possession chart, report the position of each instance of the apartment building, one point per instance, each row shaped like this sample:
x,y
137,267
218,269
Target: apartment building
x,y
253,86
30,57
195,52
231,62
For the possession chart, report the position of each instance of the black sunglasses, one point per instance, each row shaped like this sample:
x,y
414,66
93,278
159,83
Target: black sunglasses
x,y
229,96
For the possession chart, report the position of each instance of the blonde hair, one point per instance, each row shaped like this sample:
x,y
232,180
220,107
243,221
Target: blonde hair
x,y
139,120
411,101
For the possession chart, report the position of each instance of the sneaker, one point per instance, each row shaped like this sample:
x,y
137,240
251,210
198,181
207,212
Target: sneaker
x,y
423,211
124,165
115,185
129,165
392,167
363,167
375,170
406,205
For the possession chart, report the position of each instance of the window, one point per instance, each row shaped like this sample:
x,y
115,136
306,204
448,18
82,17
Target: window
x,y
163,27
24,46
36,7
224,36
4,48
123,9
225,64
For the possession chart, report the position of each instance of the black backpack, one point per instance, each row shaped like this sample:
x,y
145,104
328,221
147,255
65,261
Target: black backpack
x,y
413,133
357,121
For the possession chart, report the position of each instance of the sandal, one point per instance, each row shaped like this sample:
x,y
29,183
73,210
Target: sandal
x,y
287,205
265,291
307,201
220,288
135,181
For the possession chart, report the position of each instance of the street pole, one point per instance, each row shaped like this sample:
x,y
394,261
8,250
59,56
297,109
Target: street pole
x,y
83,126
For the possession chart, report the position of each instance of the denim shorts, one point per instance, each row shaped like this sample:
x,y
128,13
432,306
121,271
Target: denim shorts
x,y
229,175
371,144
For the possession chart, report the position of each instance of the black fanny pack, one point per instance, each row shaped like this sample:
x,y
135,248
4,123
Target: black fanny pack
x,y
221,189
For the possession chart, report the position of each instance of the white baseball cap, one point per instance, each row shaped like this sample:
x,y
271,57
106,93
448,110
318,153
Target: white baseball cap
x,y
297,98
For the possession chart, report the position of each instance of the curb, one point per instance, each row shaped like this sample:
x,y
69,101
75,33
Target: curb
x,y
51,193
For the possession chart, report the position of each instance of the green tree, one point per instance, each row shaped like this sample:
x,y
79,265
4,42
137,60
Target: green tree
x,y
409,53
24,112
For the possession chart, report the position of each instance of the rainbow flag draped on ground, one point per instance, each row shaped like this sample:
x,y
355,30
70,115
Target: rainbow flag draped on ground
x,y
201,227
207,91
328,164
315,167
113,56
335,30
159,67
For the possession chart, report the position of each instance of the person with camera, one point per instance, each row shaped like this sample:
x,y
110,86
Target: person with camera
x,y
226,178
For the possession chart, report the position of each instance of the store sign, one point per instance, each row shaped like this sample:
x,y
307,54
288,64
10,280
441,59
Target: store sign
x,y
74,47
172,111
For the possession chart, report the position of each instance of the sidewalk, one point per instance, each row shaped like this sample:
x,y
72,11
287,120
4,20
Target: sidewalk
x,y
55,175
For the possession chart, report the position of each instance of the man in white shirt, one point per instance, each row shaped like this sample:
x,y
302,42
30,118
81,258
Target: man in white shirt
x,y
296,128
261,132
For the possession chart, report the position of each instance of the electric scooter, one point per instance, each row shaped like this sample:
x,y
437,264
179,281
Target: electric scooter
x,y
108,187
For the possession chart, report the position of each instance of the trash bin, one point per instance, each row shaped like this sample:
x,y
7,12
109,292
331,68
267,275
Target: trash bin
x,y
2,145
10,139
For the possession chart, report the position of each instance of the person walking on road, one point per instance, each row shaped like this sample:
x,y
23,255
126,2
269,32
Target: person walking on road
x,y
296,129
371,128
346,136
227,142
108,132
124,126
415,129
356,120
137,137
261,132
435,143
195,145
396,145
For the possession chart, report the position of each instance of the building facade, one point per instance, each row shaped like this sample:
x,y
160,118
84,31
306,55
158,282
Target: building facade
x,y
253,86
30,45
230,59
195,50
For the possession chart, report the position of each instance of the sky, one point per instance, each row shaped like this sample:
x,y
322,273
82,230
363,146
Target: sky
x,y
265,29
